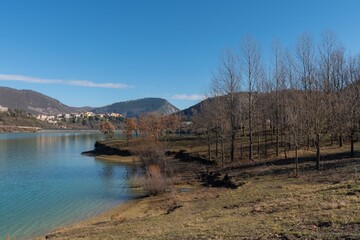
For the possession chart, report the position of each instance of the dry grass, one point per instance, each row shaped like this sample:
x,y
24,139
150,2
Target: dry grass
x,y
270,205
118,159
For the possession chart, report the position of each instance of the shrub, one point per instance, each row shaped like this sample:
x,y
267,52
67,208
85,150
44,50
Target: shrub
x,y
155,172
155,181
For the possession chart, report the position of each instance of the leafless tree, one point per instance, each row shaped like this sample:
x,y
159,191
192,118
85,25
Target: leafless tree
x,y
351,101
226,83
107,128
306,71
252,70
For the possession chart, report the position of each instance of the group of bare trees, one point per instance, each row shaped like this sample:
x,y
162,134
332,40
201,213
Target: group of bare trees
x,y
155,174
304,98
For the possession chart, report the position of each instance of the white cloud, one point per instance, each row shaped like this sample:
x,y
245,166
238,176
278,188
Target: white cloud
x,y
82,83
86,83
21,78
191,97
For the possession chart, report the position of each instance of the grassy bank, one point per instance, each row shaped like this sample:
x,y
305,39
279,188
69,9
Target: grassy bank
x,y
268,203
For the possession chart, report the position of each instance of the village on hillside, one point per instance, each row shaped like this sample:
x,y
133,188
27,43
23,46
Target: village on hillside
x,y
14,120
77,117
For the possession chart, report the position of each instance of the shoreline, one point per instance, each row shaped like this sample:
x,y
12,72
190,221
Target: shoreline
x,y
28,129
259,199
199,206
133,208
14,129
102,218
136,196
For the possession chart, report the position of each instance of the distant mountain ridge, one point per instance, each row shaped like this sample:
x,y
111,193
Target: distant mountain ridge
x,y
136,108
38,103
34,102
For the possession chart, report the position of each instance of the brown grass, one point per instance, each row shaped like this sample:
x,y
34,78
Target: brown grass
x,y
270,203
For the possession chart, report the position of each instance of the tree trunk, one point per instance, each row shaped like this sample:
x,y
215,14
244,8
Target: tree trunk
x,y
277,140
250,135
217,146
341,141
250,146
296,159
284,145
232,146
317,143
258,142
331,139
241,149
265,143
308,141
352,141
222,153
209,145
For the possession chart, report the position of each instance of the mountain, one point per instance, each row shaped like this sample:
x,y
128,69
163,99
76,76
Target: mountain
x,y
37,103
188,112
136,108
34,102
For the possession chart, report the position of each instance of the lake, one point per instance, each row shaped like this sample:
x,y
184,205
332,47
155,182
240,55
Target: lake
x,y
46,183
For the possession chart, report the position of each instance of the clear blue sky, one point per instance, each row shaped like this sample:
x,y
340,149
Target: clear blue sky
x,y
94,53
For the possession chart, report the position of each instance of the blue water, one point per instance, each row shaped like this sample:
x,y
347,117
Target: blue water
x,y
46,183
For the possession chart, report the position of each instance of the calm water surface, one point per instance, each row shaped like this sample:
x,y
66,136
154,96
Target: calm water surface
x,y
45,182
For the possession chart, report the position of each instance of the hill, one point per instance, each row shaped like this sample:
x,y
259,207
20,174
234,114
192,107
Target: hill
x,y
189,112
136,108
34,102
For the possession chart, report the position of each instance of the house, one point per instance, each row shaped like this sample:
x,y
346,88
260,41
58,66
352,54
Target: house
x,y
115,115
3,109
42,117
89,114
75,115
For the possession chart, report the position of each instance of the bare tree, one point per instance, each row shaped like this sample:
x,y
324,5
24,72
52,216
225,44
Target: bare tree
x,y
226,82
306,71
129,128
151,125
252,72
293,124
107,128
204,120
351,104
279,83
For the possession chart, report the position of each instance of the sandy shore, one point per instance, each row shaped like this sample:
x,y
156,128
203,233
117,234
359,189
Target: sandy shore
x,y
126,160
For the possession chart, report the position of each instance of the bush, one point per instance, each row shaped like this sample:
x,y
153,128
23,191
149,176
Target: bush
x,y
155,172
155,181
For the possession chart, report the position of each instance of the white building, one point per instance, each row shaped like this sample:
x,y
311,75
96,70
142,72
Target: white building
x,y
42,117
3,109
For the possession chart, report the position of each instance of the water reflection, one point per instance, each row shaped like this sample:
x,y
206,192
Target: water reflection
x,y
107,171
45,182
